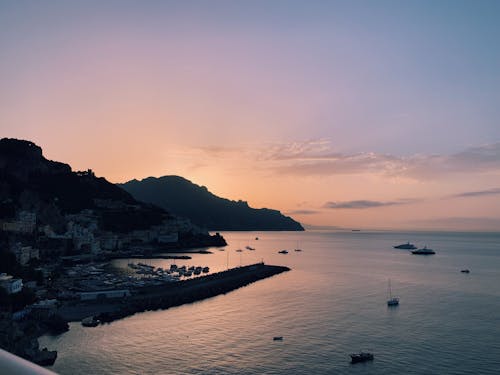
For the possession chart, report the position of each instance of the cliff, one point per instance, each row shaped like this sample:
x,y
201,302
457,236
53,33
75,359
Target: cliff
x,y
186,199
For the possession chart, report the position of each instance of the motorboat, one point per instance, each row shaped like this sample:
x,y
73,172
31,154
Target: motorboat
x,y
278,338
283,251
361,357
90,322
406,246
423,251
465,271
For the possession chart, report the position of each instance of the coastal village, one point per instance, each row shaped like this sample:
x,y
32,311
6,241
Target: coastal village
x,y
50,274
59,234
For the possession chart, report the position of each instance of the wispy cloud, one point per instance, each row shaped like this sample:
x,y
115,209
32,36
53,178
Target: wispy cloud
x,y
302,212
364,204
318,158
480,193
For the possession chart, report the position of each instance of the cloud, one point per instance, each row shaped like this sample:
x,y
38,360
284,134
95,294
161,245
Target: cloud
x,y
363,204
302,212
480,193
318,158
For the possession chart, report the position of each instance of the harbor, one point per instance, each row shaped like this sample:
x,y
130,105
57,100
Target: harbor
x,y
162,295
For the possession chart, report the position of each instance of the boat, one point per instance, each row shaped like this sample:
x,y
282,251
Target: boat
x,y
249,248
283,251
465,271
239,250
297,248
391,301
278,338
406,246
90,322
361,357
423,251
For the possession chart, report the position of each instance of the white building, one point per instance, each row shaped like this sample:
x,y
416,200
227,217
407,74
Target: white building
x,y
10,284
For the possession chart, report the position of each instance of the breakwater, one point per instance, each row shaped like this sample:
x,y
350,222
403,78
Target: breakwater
x,y
179,293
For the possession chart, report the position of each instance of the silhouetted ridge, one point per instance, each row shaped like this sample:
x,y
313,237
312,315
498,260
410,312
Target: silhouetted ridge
x,y
184,198
24,169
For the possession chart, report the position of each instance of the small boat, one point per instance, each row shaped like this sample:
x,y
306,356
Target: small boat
x,y
297,248
283,251
278,338
406,246
361,357
423,251
249,248
239,250
256,238
391,301
465,271
90,322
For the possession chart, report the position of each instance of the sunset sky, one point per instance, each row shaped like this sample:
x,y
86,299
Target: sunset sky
x,y
356,114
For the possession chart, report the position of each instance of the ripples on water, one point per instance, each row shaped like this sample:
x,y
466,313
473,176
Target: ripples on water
x,y
332,303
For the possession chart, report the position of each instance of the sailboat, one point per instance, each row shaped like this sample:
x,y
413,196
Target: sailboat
x,y
392,301
297,248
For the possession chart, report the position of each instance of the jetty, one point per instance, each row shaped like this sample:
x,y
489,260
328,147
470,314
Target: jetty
x,y
155,297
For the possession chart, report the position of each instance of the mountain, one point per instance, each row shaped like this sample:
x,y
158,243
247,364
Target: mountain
x,y
186,199
55,195
28,181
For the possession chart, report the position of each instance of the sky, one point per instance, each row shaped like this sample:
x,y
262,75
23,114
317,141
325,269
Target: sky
x,y
353,114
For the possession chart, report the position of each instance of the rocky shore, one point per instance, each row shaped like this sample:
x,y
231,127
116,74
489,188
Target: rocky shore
x,y
21,338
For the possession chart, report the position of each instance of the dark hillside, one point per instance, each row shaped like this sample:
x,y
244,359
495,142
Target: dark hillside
x,y
183,198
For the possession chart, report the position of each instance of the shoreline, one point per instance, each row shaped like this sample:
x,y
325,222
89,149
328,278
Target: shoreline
x,y
170,294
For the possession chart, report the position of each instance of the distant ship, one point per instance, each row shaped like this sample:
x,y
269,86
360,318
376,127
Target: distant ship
x,y
424,251
406,246
283,251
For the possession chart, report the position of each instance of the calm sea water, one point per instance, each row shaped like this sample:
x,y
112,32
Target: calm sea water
x,y
332,303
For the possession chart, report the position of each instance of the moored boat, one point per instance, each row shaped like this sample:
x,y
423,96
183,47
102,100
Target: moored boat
x,y
283,251
391,301
90,322
361,357
406,246
423,251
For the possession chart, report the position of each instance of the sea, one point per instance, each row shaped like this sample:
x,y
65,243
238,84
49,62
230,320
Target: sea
x,y
332,303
